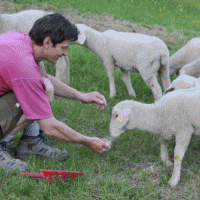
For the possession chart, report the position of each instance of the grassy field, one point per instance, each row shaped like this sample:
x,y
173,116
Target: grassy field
x,y
132,168
182,15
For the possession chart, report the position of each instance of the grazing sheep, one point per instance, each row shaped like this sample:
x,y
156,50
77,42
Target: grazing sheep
x,y
187,54
135,52
175,115
183,82
23,21
192,69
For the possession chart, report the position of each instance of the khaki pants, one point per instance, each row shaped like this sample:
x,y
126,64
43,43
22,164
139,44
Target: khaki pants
x,y
10,113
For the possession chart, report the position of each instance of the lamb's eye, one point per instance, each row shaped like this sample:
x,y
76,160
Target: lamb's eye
x,y
116,116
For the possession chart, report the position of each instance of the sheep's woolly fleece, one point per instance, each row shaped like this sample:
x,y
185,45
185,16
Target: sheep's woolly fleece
x,y
102,23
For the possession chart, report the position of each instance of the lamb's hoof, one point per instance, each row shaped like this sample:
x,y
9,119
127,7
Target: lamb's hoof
x,y
173,182
112,95
169,164
132,93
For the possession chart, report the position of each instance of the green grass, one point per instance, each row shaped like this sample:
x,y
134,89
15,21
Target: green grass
x,y
132,168
176,15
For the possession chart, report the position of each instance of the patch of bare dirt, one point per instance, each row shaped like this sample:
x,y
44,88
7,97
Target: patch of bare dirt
x,y
102,23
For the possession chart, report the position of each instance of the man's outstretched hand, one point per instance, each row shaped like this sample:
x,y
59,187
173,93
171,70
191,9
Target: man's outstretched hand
x,y
98,145
95,97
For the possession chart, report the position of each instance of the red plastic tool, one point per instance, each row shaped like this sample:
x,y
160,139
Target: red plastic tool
x,y
50,175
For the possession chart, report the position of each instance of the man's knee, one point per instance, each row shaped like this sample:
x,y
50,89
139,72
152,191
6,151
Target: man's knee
x,y
10,113
49,89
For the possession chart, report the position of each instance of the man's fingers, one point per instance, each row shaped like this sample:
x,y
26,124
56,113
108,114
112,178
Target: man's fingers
x,y
101,99
100,145
103,150
106,144
101,106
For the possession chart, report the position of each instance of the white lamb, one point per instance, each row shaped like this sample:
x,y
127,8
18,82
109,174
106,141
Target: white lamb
x,y
135,52
175,115
185,56
183,82
23,21
192,69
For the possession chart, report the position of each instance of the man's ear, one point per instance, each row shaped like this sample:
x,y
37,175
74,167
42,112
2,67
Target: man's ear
x,y
47,42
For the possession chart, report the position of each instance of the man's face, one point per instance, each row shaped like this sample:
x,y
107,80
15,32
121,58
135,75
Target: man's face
x,y
60,49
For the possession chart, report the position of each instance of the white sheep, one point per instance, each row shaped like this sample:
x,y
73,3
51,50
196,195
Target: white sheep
x,y
192,69
23,21
175,115
184,56
183,82
135,52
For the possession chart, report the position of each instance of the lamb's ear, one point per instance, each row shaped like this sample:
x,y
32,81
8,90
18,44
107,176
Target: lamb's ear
x,y
81,37
123,118
170,89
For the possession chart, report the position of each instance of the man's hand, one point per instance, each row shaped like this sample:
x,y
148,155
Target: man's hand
x,y
94,97
98,145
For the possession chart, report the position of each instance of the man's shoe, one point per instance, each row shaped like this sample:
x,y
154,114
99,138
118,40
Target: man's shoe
x,y
35,145
9,163
5,146
43,136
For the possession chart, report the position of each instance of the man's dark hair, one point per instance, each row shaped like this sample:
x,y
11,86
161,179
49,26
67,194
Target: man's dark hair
x,y
55,26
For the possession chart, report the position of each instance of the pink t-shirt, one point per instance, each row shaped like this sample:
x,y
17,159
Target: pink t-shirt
x,y
19,73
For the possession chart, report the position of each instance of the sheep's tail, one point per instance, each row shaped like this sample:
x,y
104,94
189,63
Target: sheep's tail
x,y
163,71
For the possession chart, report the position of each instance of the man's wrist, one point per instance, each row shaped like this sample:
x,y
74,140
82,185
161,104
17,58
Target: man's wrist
x,y
80,96
85,140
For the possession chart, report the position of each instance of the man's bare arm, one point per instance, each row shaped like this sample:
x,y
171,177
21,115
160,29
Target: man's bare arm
x,y
62,132
68,92
64,90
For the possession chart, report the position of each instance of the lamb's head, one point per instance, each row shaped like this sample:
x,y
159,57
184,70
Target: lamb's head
x,y
119,120
183,82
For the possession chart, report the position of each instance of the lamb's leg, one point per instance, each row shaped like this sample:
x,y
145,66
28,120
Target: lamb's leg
x,y
110,71
164,153
63,69
127,80
182,142
152,83
164,77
